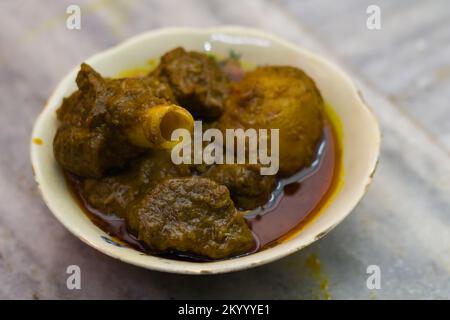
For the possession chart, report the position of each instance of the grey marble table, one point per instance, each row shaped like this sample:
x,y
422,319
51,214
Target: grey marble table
x,y
402,225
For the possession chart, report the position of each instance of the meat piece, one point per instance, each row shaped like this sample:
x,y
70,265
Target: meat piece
x,y
193,215
90,152
116,193
197,81
108,122
249,189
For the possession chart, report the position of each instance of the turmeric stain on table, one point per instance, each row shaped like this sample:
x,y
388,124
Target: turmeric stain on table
x,y
313,264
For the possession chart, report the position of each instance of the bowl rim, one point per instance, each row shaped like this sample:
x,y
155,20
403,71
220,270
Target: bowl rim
x,y
223,266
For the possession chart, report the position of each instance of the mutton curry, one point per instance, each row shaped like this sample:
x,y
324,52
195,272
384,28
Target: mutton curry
x,y
114,143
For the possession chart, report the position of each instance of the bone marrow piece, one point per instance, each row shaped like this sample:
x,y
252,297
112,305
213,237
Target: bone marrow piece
x,y
108,122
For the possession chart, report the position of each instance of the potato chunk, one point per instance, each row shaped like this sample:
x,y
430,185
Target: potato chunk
x,y
284,98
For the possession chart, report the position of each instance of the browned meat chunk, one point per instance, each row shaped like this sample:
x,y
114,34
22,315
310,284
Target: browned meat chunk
x,y
197,81
110,121
249,189
193,215
114,194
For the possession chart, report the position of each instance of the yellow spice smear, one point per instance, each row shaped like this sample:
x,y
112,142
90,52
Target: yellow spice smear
x,y
313,264
139,71
37,141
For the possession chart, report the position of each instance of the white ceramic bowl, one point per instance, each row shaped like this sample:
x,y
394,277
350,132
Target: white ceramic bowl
x,y
361,138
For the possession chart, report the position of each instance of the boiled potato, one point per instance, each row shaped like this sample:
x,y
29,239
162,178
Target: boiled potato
x,y
279,97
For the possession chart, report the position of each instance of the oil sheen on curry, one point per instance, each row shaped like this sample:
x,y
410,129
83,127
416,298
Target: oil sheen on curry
x,y
114,145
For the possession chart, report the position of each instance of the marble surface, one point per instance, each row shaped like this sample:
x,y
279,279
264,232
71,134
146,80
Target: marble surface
x,y
402,225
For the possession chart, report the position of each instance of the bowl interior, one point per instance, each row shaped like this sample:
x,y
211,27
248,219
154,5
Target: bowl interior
x,y
361,137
